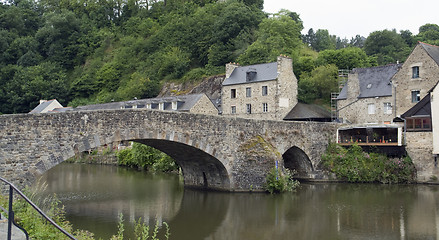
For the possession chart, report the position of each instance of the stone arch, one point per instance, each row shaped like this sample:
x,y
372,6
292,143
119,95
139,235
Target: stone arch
x,y
200,169
296,159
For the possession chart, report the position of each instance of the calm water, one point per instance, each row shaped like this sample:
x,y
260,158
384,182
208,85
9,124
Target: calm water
x,y
95,195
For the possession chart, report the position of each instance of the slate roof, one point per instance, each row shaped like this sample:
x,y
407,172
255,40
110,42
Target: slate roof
x,y
432,50
264,72
374,81
308,112
422,108
184,102
42,106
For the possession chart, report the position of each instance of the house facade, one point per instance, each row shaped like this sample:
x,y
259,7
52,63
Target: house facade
x,y
417,76
262,91
367,96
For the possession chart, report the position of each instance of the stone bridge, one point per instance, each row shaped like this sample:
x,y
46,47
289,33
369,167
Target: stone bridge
x,y
214,152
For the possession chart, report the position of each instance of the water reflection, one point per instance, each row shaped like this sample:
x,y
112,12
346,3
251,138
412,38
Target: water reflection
x,y
95,195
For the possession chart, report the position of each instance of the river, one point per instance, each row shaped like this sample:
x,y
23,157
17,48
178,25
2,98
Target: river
x,y
95,195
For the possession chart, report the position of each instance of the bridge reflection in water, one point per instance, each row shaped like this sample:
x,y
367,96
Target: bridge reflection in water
x,y
95,195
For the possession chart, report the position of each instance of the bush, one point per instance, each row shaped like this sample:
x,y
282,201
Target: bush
x,y
279,182
354,165
146,158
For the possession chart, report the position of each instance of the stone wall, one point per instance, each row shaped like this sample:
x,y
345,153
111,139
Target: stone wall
x,y
204,106
357,111
420,147
207,148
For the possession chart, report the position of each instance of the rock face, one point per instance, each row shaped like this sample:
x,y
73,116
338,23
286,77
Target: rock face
x,y
211,86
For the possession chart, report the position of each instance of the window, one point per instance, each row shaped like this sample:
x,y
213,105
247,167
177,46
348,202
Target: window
x,y
416,96
387,108
264,107
418,124
371,108
415,72
248,92
233,93
249,108
233,110
264,90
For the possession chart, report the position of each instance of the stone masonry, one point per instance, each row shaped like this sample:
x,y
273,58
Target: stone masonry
x,y
214,152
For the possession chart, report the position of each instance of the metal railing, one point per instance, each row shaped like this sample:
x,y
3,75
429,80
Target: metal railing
x,y
10,212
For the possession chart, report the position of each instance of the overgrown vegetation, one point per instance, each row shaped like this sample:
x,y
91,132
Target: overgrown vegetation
x,y
144,157
278,181
84,52
354,165
39,229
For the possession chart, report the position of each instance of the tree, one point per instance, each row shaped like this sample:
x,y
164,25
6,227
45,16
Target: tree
x,y
277,35
387,46
429,33
318,84
346,58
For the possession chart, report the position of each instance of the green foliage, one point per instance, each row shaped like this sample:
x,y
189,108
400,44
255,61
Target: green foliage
x,y
106,48
277,181
147,158
354,165
346,58
276,36
37,227
387,46
318,84
141,231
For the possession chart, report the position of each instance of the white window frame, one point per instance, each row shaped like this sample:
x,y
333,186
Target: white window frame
x,y
387,108
415,72
264,107
161,106
248,92
174,105
233,109
371,108
264,90
416,98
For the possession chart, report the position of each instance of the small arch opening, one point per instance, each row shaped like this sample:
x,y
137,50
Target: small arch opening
x,y
296,159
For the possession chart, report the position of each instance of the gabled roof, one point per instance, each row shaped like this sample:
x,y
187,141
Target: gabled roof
x,y
42,106
374,81
422,108
264,72
432,50
308,112
186,103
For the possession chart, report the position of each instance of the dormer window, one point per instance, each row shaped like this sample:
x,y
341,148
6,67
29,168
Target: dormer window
x,y
415,72
250,75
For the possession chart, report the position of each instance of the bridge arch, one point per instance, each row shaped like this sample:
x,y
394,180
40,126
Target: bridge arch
x,y
296,159
200,169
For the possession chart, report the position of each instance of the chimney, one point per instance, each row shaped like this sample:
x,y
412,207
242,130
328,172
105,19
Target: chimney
x,y
230,67
42,101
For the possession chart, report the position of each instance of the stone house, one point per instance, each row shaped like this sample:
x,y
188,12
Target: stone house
x,y
367,95
193,103
262,91
46,106
417,76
